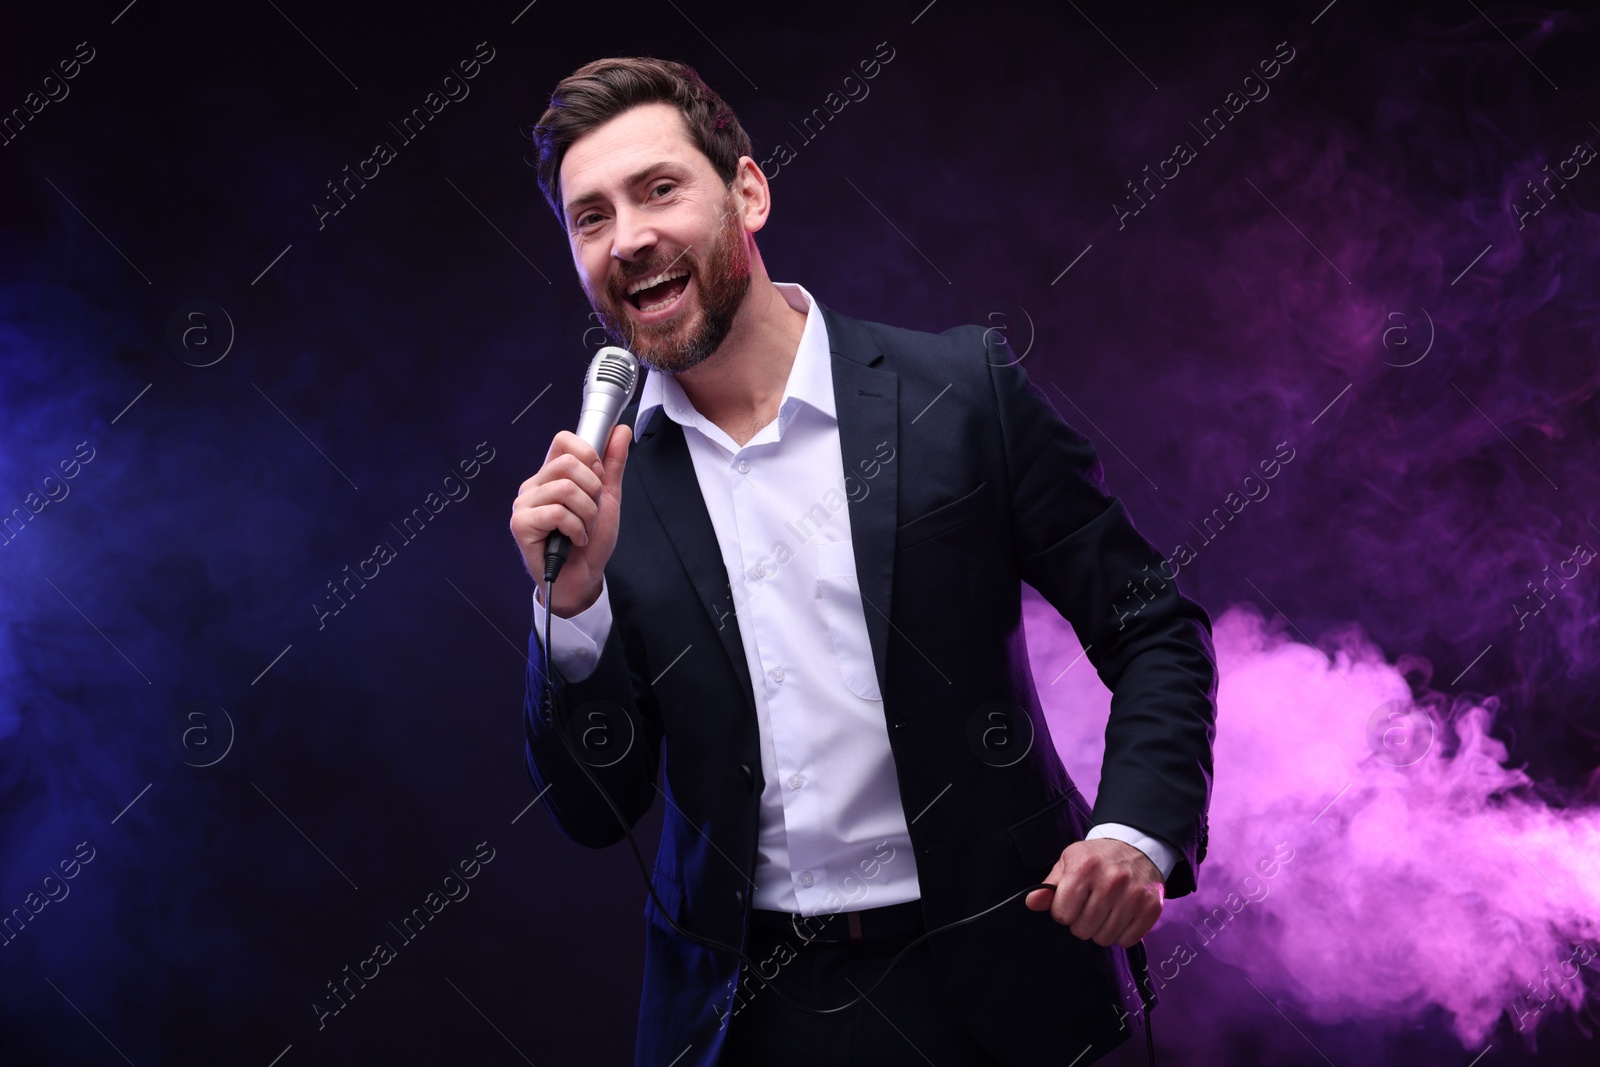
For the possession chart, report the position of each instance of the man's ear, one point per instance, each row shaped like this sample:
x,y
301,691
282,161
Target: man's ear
x,y
752,194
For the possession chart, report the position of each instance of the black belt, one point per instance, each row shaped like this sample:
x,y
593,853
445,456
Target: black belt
x,y
873,924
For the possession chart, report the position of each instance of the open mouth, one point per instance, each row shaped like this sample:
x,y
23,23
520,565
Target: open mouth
x,y
659,292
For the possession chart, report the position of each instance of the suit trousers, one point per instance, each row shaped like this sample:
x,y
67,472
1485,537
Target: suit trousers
x,y
911,1018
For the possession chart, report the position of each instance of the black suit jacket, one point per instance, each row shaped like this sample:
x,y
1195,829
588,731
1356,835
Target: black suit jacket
x,y
986,488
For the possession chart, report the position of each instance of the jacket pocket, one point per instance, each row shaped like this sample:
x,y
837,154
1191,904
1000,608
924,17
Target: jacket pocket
x,y
839,600
941,519
1042,836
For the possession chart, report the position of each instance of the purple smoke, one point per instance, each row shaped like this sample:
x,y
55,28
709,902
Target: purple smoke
x,y
1419,869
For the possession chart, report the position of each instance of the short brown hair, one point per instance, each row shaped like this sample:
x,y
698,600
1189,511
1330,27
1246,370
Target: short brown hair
x,y
599,91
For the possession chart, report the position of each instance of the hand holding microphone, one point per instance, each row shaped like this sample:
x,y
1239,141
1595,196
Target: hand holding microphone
x,y
565,517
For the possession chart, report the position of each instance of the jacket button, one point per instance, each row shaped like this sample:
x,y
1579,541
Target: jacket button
x,y
747,776
738,894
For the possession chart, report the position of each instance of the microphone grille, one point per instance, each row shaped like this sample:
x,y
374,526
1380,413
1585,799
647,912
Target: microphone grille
x,y
615,366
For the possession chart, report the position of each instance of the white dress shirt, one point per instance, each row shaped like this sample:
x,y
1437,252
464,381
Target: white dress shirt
x,y
830,809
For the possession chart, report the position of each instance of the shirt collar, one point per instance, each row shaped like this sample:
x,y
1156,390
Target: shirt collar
x,y
810,378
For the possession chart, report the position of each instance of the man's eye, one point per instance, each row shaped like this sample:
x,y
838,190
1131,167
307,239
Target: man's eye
x,y
664,185
584,220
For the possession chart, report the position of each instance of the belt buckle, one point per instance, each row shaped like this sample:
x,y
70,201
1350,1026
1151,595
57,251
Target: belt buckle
x,y
814,938
853,918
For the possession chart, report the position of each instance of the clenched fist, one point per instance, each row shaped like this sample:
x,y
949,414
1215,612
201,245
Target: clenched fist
x,y
1107,891
580,494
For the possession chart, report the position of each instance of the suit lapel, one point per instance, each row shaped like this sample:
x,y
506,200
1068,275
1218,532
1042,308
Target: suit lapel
x,y
866,398
666,473
866,401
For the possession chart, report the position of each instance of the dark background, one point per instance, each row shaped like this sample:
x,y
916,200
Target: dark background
x,y
378,351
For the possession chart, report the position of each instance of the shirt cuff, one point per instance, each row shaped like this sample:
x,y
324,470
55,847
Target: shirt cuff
x,y
1163,855
575,643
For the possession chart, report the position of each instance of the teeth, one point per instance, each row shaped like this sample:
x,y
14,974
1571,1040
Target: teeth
x,y
664,276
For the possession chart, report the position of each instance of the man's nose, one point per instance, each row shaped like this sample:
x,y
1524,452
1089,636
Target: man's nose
x,y
632,235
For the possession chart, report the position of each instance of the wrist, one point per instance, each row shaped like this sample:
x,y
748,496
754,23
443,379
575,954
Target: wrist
x,y
564,609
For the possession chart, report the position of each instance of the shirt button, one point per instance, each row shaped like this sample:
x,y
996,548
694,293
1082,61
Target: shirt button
x,y
760,571
744,468
806,879
777,674
796,781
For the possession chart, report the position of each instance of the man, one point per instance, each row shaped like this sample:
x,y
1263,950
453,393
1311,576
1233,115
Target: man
x,y
811,602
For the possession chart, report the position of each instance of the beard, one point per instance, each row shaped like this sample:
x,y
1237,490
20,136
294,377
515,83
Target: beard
x,y
679,343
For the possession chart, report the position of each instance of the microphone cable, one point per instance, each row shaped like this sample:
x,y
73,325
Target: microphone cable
x,y
553,564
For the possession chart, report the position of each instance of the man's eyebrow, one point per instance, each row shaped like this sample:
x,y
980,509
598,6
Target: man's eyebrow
x,y
633,179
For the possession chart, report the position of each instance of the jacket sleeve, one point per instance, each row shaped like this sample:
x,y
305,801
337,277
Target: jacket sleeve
x,y
575,643
1151,646
614,726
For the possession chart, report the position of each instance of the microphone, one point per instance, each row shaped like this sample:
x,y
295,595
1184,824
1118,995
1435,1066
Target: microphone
x,y
606,388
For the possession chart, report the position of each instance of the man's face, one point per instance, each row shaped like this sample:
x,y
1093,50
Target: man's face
x,y
643,204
